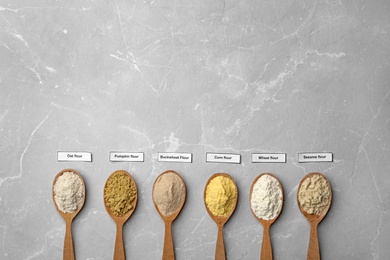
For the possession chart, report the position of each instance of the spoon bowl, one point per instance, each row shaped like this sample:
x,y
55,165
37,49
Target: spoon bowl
x,y
266,248
314,217
220,253
313,252
169,251
68,253
174,215
119,252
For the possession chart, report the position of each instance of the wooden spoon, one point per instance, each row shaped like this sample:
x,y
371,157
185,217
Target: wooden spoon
x,y
313,252
220,253
119,251
169,251
266,247
68,253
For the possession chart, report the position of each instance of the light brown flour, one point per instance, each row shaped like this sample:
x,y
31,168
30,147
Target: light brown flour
x,y
168,193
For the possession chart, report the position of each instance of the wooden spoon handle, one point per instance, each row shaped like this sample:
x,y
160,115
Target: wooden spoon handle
x,y
220,249
169,251
313,252
119,251
68,243
266,247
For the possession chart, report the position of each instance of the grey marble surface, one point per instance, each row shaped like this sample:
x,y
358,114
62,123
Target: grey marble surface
x,y
194,76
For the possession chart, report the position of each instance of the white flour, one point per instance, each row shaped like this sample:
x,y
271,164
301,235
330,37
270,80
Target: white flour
x,y
68,192
266,200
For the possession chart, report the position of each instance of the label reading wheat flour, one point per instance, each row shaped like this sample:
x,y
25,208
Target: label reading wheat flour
x,y
126,157
223,158
269,157
175,157
74,156
315,157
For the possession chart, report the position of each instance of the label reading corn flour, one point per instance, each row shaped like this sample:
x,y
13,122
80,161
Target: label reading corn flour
x,y
175,157
315,157
269,157
74,156
126,157
223,158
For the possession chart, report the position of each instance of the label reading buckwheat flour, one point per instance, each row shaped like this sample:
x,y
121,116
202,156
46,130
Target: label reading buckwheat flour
x,y
126,157
315,157
74,156
175,157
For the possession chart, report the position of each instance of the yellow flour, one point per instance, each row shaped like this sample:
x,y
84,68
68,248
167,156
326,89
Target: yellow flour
x,y
221,196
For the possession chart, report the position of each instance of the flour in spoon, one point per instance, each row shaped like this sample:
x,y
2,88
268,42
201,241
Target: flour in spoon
x,y
68,192
266,198
314,194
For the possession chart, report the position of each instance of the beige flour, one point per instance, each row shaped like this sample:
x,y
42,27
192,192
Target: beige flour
x,y
68,192
169,193
313,194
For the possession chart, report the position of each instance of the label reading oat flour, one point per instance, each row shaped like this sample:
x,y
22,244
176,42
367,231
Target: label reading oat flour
x,y
74,157
223,158
126,157
175,157
315,157
269,157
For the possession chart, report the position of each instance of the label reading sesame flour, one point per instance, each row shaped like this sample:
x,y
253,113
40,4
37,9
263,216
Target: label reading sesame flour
x,y
175,157
223,158
269,157
315,157
74,156
126,157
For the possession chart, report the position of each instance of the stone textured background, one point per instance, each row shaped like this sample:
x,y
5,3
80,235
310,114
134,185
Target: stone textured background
x,y
195,76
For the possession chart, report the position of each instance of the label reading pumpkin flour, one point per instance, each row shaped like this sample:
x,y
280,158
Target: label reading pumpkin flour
x,y
223,158
126,157
74,156
315,157
269,157
175,157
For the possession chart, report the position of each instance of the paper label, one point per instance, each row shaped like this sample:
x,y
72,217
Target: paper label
x,y
269,157
175,157
315,157
74,157
126,157
223,158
